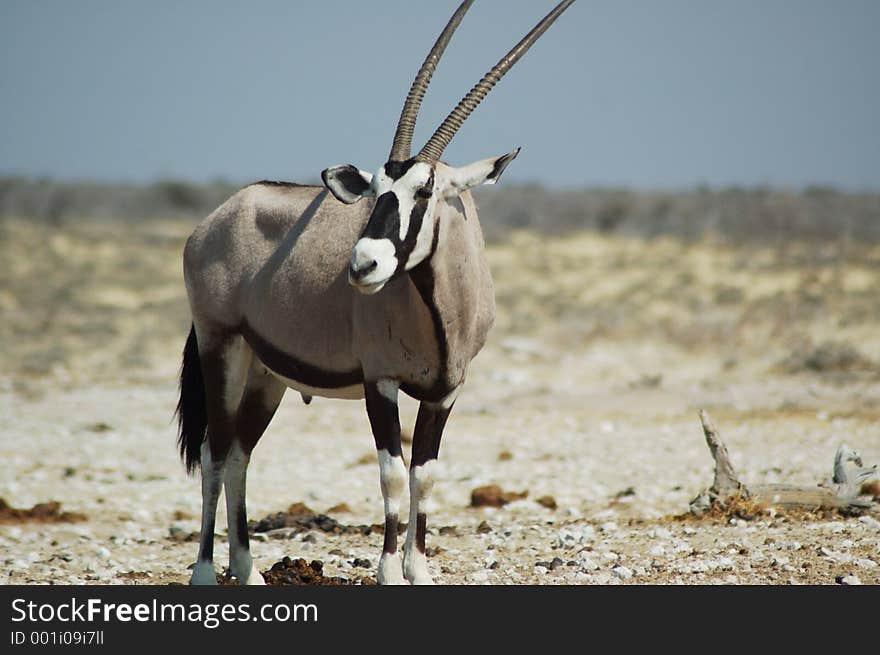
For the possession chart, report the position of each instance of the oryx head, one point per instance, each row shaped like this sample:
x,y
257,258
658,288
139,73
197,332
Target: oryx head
x,y
408,190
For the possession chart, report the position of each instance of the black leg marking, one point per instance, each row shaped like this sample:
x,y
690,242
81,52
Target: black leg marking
x,y
385,423
428,431
421,529
384,420
390,544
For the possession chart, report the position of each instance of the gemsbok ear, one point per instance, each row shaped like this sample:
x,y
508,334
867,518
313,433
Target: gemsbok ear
x,y
348,183
485,171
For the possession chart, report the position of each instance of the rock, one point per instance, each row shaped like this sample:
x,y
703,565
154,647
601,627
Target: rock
x,y
493,496
361,562
586,563
478,577
547,501
621,572
848,580
484,528
835,556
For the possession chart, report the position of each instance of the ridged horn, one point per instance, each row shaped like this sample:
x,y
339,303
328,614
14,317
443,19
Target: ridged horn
x,y
400,149
433,149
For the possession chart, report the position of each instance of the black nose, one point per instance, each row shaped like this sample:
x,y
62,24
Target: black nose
x,y
357,274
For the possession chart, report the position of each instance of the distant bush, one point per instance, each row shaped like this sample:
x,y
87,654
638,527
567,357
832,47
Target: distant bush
x,y
736,214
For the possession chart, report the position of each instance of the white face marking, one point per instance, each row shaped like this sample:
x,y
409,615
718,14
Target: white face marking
x,y
405,189
365,252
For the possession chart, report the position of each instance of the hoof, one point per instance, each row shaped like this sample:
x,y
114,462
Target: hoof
x,y
390,571
415,568
255,579
203,574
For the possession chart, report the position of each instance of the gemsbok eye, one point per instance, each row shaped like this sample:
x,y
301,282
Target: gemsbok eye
x,y
425,192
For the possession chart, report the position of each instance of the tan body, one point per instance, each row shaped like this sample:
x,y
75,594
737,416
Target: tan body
x,y
375,285
271,265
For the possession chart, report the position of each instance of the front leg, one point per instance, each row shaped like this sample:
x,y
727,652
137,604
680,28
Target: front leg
x,y
426,447
381,399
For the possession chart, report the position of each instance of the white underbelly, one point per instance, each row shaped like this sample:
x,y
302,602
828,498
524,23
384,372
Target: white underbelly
x,y
354,392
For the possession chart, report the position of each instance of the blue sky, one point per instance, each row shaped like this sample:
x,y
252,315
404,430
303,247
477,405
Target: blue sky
x,y
643,93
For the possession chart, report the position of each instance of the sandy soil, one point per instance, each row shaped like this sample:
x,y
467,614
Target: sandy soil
x,y
588,391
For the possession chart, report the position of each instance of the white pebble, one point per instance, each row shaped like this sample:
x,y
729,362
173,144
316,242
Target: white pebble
x,y
870,521
621,572
850,580
586,563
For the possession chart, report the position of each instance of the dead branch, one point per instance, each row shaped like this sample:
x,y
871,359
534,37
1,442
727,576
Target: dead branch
x,y
841,494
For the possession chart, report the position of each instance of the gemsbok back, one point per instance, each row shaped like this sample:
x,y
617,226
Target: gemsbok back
x,y
305,287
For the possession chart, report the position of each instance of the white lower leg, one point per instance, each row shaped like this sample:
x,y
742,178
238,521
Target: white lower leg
x,y
415,562
212,480
392,479
241,564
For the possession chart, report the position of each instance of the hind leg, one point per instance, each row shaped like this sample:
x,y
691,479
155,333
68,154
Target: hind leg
x,y
261,397
212,480
225,362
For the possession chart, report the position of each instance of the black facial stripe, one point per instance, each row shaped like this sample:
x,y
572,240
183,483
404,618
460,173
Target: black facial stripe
x,y
415,225
384,222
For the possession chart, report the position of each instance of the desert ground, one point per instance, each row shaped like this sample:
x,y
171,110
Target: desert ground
x,y
582,408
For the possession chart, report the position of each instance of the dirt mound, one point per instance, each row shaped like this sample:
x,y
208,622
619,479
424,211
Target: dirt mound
x,y
299,517
40,513
299,572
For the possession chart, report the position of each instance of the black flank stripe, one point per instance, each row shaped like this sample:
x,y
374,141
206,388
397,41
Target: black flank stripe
x,y
296,369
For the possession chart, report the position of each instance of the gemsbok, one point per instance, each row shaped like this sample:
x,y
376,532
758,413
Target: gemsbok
x,y
304,287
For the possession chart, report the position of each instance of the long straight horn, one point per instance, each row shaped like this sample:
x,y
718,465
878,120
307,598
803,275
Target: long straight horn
x,y
400,149
433,149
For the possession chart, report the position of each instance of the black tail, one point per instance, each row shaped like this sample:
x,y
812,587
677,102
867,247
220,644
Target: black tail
x,y
192,417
